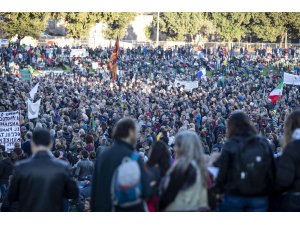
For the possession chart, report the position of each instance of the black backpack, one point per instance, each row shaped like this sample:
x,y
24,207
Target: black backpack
x,y
254,167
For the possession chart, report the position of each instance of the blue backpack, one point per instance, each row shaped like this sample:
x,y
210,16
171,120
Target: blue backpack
x,y
126,187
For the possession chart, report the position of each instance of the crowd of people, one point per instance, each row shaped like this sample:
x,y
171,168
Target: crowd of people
x,y
222,146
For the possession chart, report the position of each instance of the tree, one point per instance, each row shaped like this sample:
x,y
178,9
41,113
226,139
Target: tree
x,y
267,26
180,25
24,24
117,23
231,26
292,24
78,24
148,31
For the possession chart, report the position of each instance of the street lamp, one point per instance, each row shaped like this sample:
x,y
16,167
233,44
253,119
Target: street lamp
x,y
157,30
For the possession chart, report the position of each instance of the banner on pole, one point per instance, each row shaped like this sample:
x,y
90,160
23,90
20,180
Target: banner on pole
x,y
33,109
34,91
10,129
291,79
25,74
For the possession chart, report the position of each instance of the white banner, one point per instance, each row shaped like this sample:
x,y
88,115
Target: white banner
x,y
188,85
291,79
9,129
54,72
33,109
78,53
34,91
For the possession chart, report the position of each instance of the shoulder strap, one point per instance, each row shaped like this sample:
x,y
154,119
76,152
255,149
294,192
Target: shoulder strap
x,y
135,156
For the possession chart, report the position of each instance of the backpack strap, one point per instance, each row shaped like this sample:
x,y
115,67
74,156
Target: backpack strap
x,y
135,156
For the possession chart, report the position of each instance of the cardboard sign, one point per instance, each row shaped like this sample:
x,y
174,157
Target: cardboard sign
x,y
25,74
9,129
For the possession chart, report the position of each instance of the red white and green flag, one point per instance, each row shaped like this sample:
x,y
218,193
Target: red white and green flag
x,y
276,93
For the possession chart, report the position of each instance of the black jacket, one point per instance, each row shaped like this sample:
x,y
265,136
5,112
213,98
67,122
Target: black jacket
x,y
6,169
288,168
84,168
41,183
26,146
226,181
106,164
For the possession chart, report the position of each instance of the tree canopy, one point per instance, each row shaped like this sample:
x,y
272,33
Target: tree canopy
x,y
23,24
179,26
117,23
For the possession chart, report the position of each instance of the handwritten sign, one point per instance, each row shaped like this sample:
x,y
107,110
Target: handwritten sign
x,y
9,129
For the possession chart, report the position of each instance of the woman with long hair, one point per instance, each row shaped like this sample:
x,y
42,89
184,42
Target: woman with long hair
x,y
246,167
158,164
288,167
184,187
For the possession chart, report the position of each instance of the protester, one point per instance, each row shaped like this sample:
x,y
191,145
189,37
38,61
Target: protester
x,y
42,182
158,164
109,175
185,186
288,169
80,104
6,169
246,168
84,167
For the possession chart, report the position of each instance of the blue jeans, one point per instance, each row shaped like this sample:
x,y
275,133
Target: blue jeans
x,y
3,189
233,203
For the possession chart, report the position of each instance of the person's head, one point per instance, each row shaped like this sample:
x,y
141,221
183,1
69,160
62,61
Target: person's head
x,y
41,140
188,148
56,154
93,155
239,124
89,139
4,155
160,156
125,130
28,135
292,127
84,154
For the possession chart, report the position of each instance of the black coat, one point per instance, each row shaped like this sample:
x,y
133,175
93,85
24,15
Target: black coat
x,y
288,168
226,181
106,164
26,146
41,183
6,169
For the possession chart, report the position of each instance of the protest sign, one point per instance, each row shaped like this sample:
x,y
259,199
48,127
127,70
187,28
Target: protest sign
x,y
78,53
188,85
4,42
54,72
291,79
25,74
9,129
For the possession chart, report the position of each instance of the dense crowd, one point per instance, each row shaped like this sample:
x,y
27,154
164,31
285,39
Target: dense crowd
x,y
81,107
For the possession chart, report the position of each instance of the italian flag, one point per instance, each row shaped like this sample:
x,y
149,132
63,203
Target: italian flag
x,y
276,93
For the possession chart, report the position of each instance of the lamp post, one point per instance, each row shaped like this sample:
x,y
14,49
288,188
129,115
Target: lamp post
x,y
157,30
